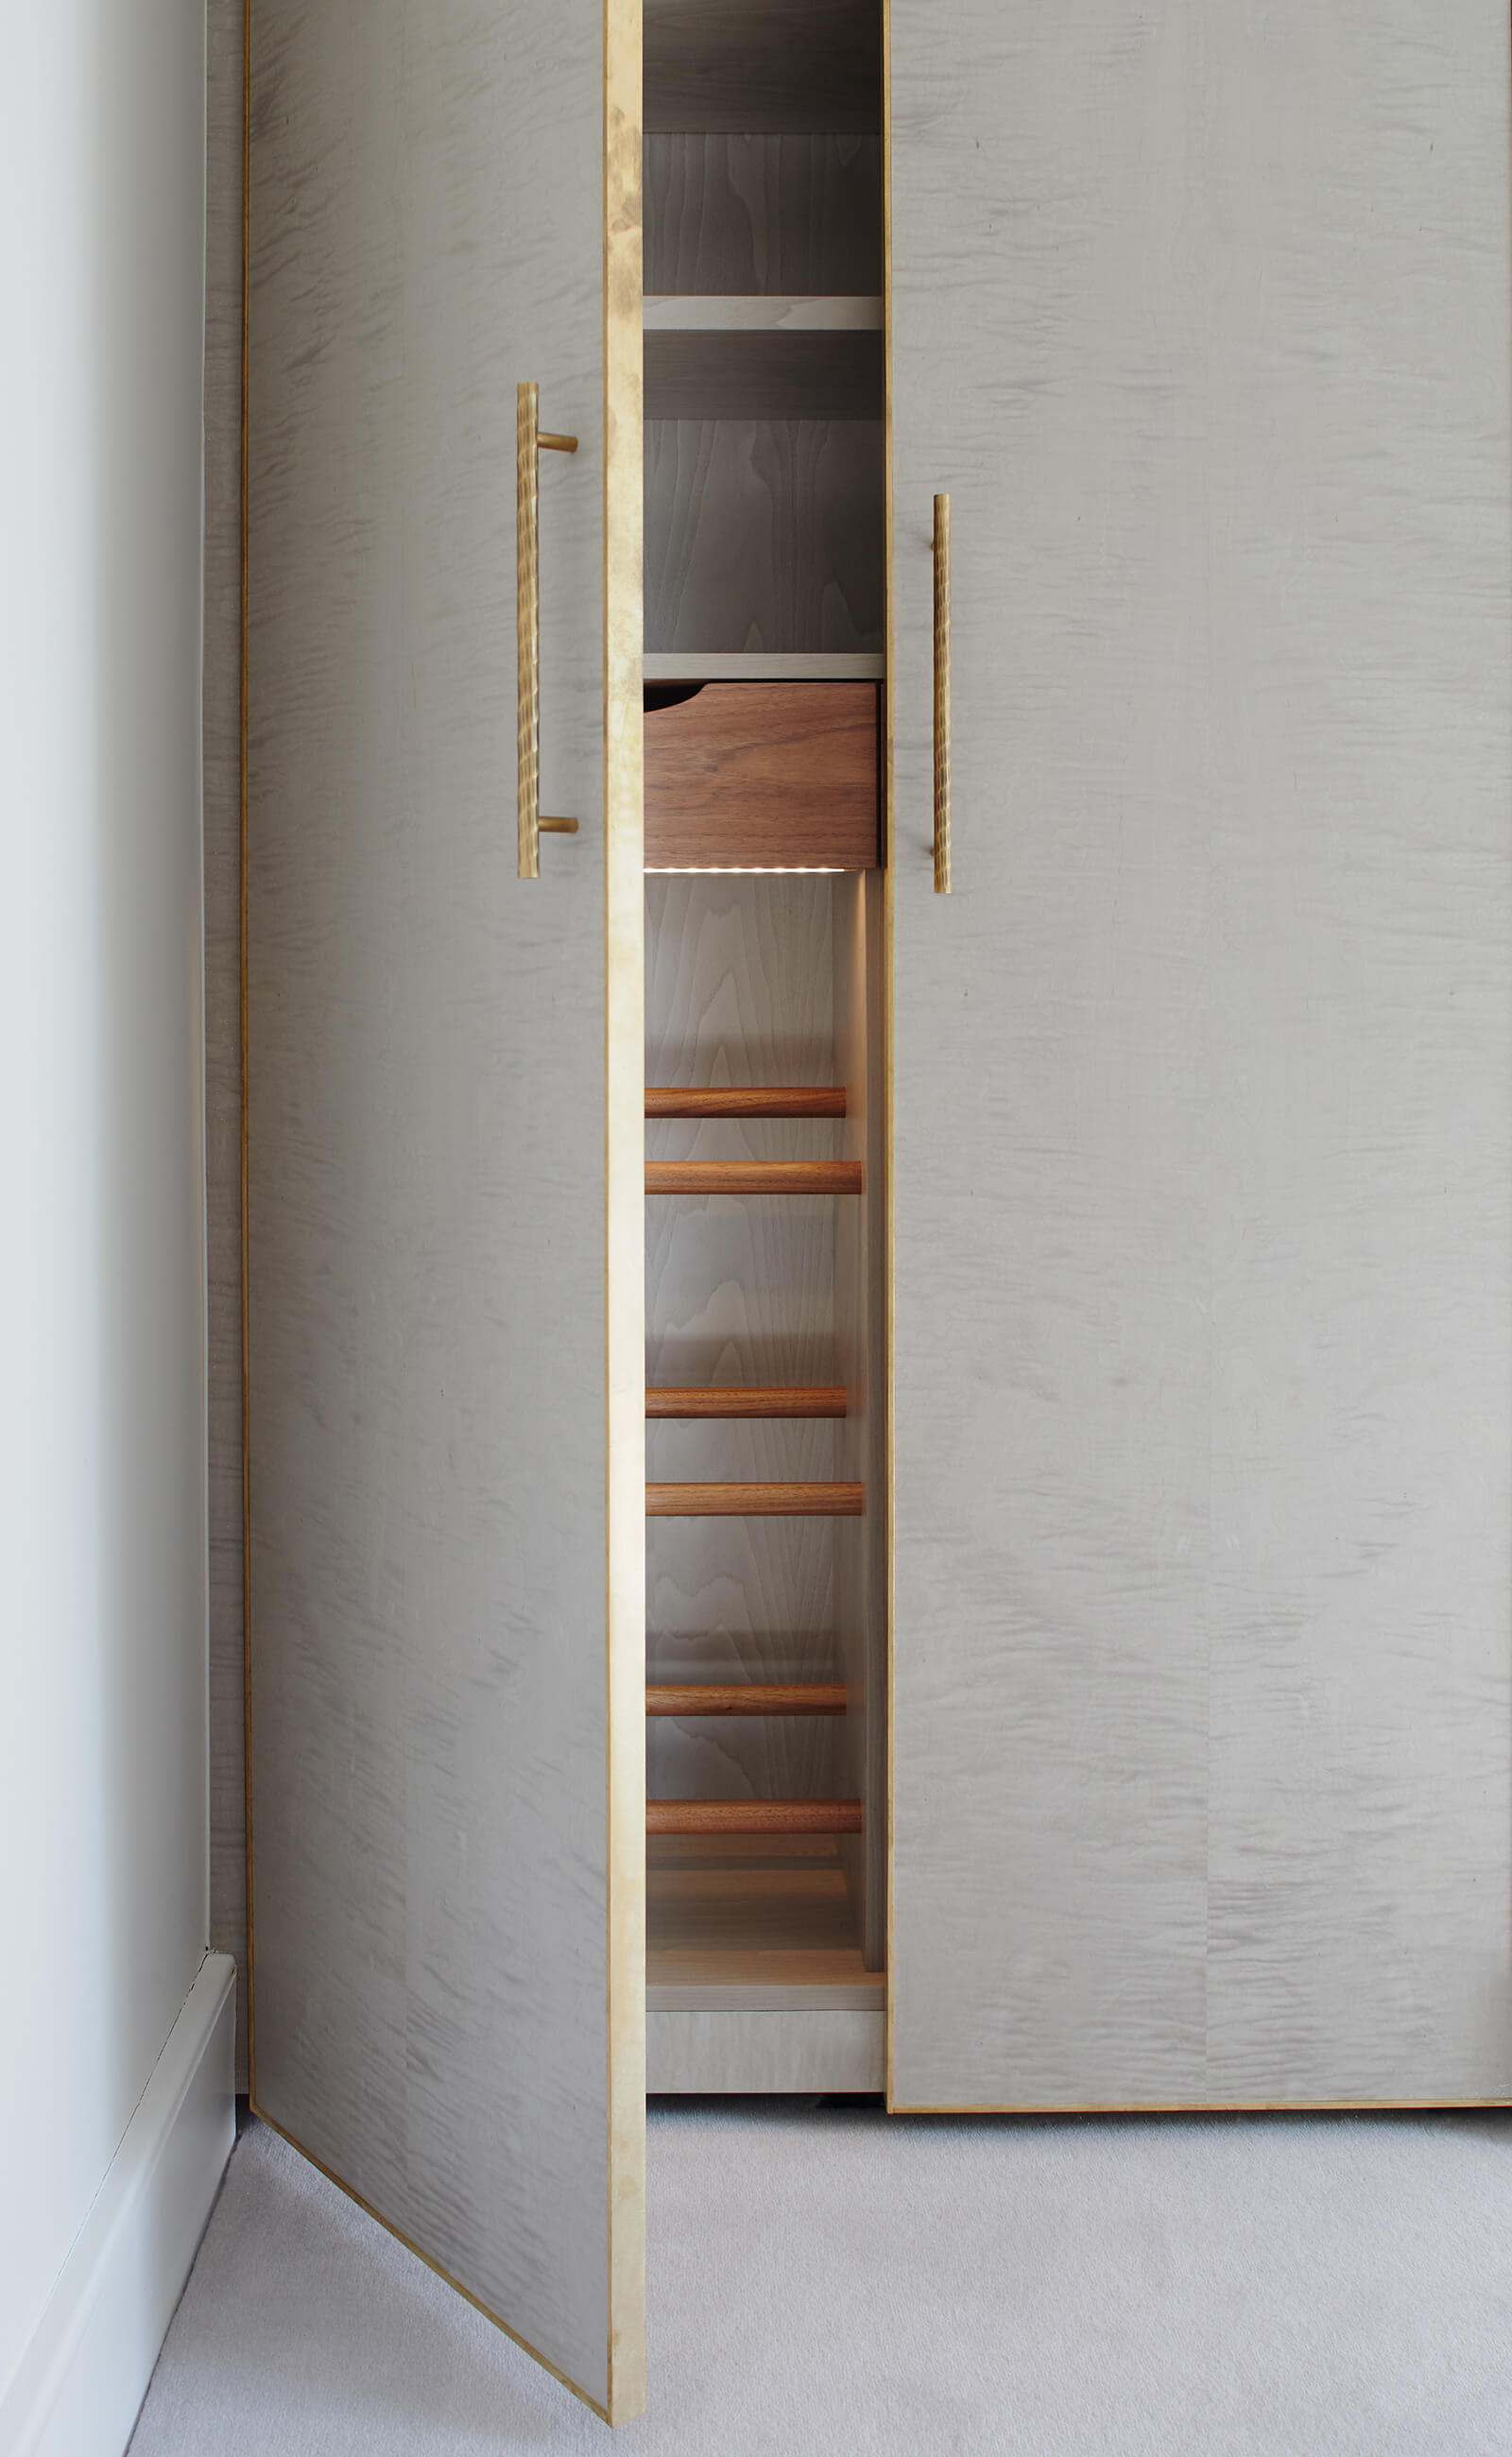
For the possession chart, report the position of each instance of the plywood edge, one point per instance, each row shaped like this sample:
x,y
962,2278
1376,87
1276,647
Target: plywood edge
x,y
728,2052
761,666
765,312
888,1497
624,1158
765,1997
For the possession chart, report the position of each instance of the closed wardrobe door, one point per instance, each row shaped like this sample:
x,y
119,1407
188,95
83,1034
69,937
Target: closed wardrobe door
x,y
446,1718
1202,1181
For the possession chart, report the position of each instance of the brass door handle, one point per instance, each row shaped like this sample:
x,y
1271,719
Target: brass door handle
x,y
529,443
941,694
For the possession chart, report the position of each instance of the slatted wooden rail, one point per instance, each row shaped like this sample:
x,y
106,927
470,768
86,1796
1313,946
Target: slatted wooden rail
x,y
747,1101
756,1500
745,1698
752,1817
755,1177
703,1401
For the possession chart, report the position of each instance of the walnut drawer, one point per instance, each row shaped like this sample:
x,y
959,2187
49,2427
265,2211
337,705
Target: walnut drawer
x,y
763,776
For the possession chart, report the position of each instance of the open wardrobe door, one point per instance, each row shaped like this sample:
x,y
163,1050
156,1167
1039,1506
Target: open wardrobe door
x,y
445,1279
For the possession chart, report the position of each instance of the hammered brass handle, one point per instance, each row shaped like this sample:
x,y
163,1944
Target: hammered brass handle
x,y
529,443
941,694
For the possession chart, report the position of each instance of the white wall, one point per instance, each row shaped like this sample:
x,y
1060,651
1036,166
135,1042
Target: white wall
x,y
103,1852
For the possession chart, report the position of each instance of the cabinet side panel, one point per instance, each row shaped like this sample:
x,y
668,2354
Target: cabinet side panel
x,y
1202,1135
763,534
753,215
861,1556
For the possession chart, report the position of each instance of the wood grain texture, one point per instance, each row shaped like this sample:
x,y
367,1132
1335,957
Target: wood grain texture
x,y
427,1175
860,1310
756,665
783,314
732,1177
782,372
753,776
746,1101
625,1202
763,216
221,712
745,1918
752,1817
1202,1313
745,1698
684,1404
765,1500
738,994
764,534
762,64
755,2048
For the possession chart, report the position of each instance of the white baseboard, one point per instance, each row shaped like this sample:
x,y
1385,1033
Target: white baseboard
x,y
83,2377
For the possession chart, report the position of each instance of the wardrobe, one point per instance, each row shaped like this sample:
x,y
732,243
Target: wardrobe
x,y
879,1033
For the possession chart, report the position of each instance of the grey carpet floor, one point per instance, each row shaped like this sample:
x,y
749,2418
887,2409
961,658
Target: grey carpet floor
x,y
828,2280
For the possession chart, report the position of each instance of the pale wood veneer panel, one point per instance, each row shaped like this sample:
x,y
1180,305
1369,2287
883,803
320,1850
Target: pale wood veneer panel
x,y
680,314
756,665
861,1306
755,2048
1203,1611
430,1744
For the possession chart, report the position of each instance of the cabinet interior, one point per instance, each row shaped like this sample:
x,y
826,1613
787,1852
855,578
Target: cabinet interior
x,y
762,207
765,1306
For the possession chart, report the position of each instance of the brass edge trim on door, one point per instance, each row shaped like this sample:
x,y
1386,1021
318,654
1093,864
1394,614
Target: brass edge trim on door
x,y
445,2274
889,873
246,1286
625,1210
1189,2107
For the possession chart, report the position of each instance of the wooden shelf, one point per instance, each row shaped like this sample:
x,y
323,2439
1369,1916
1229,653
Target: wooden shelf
x,y
762,666
728,1916
682,1406
744,372
756,1500
747,1101
706,312
752,1817
743,65
745,1698
755,1177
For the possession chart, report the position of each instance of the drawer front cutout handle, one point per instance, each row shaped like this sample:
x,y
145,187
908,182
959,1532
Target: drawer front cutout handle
x,y
529,444
941,694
